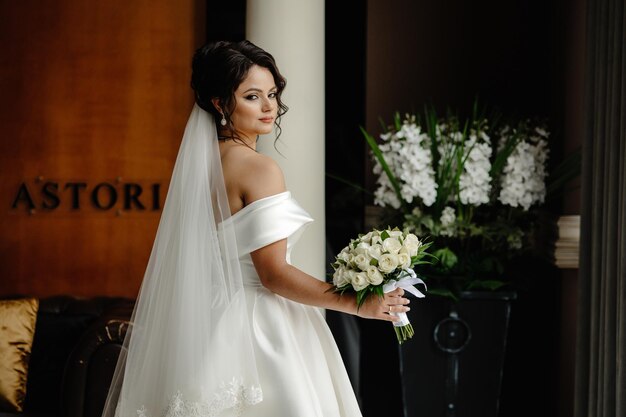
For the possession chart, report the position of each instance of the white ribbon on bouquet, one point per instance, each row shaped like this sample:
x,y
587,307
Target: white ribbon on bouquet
x,y
406,282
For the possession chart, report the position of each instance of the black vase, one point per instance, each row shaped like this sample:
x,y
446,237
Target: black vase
x,y
453,365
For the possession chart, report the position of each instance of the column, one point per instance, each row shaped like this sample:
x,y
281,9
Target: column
x,y
293,32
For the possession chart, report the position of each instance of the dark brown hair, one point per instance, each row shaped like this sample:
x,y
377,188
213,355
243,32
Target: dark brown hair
x,y
218,69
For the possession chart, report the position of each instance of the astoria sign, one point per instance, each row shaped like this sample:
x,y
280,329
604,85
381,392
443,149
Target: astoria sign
x,y
48,196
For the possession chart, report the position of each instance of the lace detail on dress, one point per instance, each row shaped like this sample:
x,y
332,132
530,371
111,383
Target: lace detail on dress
x,y
232,395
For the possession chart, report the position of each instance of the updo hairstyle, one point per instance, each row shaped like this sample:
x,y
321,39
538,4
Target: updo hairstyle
x,y
219,68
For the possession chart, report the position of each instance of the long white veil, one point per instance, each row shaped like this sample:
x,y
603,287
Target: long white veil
x,y
189,350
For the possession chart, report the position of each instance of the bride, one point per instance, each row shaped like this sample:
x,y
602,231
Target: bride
x,y
224,325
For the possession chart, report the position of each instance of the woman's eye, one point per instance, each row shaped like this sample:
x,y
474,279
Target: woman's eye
x,y
252,97
273,95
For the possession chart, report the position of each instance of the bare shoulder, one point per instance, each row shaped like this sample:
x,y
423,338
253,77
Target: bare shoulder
x,y
263,177
251,175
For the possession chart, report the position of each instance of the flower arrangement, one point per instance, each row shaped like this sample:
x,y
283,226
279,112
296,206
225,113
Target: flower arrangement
x,y
379,262
470,186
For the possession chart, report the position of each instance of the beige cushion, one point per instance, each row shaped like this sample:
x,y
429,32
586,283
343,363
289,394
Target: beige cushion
x,y
17,327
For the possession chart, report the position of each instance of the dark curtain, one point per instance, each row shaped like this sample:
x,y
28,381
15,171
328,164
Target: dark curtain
x,y
601,344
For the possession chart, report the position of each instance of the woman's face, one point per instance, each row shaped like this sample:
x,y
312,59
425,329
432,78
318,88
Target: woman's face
x,y
256,104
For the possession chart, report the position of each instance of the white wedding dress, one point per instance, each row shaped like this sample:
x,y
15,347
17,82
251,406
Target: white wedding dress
x,y
206,338
300,369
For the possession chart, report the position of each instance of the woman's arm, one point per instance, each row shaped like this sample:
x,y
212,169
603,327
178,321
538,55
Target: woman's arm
x,y
260,177
288,281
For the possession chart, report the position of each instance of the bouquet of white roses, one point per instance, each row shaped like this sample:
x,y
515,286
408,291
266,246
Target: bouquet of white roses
x,y
378,263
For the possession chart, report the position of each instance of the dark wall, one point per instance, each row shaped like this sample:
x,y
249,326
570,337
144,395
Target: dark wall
x,y
524,58
448,52
345,112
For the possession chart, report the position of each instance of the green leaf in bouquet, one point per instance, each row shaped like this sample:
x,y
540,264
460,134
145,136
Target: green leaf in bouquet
x,y
360,298
384,235
362,295
423,254
378,290
423,257
339,290
374,262
424,247
419,259
415,259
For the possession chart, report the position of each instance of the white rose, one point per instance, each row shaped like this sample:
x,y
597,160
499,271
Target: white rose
x,y
362,261
395,233
391,245
360,250
376,239
359,281
411,238
344,255
340,278
375,251
387,263
411,247
367,238
404,260
374,276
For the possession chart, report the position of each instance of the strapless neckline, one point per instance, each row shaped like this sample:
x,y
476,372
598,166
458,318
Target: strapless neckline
x,y
260,201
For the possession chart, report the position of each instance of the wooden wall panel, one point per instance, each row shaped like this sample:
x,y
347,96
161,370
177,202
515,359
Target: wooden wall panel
x,y
92,92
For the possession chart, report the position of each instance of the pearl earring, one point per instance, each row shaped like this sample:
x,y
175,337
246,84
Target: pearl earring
x,y
223,121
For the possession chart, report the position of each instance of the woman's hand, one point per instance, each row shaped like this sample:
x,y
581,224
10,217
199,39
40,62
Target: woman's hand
x,y
375,307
